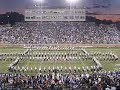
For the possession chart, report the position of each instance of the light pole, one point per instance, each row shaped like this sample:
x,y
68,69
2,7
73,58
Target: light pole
x,y
72,1
39,3
71,4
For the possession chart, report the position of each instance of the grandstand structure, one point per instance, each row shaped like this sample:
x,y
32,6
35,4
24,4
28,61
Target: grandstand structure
x,y
55,15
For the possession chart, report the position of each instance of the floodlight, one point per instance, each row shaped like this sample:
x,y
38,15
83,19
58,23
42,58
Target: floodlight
x,y
71,1
41,1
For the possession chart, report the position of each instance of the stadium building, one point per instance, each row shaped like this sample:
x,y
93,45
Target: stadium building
x,y
55,15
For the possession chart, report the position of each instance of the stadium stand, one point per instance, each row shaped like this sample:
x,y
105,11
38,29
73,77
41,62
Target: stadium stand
x,y
60,33
101,81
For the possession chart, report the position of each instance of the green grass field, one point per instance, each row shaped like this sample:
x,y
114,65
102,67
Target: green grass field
x,y
12,50
107,65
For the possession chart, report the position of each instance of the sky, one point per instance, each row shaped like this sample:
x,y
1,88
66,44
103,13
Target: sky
x,y
20,5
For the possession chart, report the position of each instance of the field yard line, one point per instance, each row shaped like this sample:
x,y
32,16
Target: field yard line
x,y
27,64
82,63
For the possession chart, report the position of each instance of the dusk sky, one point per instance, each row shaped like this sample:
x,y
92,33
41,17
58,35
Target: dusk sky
x,y
20,5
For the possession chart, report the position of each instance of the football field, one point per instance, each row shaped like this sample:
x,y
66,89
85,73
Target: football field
x,y
45,59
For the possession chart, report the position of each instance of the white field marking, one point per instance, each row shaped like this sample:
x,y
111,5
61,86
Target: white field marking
x,y
82,63
27,64
117,64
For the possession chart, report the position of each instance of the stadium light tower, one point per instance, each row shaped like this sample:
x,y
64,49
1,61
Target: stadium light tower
x,y
72,1
39,1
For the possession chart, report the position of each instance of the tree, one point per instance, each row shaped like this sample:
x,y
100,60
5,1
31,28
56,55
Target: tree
x,y
11,18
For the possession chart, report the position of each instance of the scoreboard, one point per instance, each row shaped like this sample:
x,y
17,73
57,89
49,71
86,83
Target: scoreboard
x,y
55,15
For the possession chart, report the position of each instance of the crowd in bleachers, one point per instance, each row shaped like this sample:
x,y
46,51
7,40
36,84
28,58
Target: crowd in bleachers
x,y
60,33
100,81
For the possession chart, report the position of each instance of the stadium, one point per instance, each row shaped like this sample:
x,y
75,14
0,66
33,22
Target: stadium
x,y
59,49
